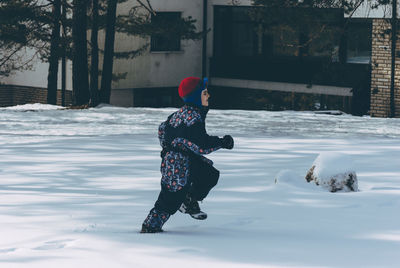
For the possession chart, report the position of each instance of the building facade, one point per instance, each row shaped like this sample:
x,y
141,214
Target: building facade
x,y
250,67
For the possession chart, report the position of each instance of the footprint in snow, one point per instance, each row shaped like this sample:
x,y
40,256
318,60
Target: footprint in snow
x,y
243,221
56,244
7,250
189,250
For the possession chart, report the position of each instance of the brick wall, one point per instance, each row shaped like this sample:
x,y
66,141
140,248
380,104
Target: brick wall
x,y
6,96
11,95
381,70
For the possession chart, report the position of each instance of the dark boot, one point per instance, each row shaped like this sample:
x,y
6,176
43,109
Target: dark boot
x,y
191,206
149,229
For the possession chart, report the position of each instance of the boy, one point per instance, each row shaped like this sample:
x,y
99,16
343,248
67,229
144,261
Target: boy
x,y
187,176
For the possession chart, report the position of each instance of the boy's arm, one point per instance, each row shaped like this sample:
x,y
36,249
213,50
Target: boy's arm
x,y
199,136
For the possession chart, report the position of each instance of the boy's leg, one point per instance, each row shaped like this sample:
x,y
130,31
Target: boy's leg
x,y
203,178
169,201
166,205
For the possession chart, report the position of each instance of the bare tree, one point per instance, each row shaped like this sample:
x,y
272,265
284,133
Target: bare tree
x,y
54,54
94,69
106,79
80,83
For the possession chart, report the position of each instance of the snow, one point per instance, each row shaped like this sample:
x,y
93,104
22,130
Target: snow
x,y
75,186
329,164
334,172
32,107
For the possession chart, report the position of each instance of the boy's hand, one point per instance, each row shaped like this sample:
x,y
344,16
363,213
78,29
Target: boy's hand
x,y
227,142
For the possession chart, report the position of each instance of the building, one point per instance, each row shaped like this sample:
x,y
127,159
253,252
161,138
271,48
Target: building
x,y
252,69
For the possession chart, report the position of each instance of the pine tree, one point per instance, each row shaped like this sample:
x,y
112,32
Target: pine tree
x,y
24,34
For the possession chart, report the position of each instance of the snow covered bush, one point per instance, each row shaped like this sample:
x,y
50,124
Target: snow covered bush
x,y
333,172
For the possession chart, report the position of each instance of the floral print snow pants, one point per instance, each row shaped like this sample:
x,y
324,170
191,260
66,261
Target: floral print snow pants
x,y
203,177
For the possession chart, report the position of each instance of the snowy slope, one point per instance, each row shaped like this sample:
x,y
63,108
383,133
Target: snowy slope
x,y
76,185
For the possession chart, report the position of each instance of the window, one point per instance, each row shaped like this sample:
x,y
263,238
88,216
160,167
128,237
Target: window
x,y
359,41
234,32
243,39
165,40
282,33
285,42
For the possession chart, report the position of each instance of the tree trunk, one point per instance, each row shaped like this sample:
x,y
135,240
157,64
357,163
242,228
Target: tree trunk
x,y
80,83
54,55
63,53
94,72
106,79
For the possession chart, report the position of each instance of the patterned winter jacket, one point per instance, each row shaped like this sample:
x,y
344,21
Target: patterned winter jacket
x,y
183,138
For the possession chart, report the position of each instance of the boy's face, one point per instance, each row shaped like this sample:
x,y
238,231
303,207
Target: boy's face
x,y
204,97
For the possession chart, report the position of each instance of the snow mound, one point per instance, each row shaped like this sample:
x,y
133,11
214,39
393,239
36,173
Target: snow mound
x,y
34,107
289,177
286,176
334,172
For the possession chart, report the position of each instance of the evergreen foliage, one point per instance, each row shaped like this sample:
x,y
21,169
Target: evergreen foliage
x,y
24,34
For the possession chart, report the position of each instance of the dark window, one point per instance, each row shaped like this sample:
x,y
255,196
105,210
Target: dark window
x,y
165,40
309,32
307,46
359,43
234,32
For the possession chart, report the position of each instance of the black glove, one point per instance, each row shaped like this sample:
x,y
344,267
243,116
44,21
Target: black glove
x,y
227,142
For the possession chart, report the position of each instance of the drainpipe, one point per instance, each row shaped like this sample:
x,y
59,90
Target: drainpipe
x,y
394,35
204,51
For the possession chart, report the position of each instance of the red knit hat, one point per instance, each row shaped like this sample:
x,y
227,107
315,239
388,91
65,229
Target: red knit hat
x,y
187,86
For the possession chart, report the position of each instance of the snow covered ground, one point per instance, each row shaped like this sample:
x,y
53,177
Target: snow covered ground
x,y
75,186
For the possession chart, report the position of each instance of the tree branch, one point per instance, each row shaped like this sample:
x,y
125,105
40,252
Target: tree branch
x,y
148,8
11,55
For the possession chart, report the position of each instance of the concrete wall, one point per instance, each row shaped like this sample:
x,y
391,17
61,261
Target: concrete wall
x,y
159,69
37,77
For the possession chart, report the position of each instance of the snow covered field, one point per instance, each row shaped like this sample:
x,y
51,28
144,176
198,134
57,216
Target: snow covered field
x,y
76,185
